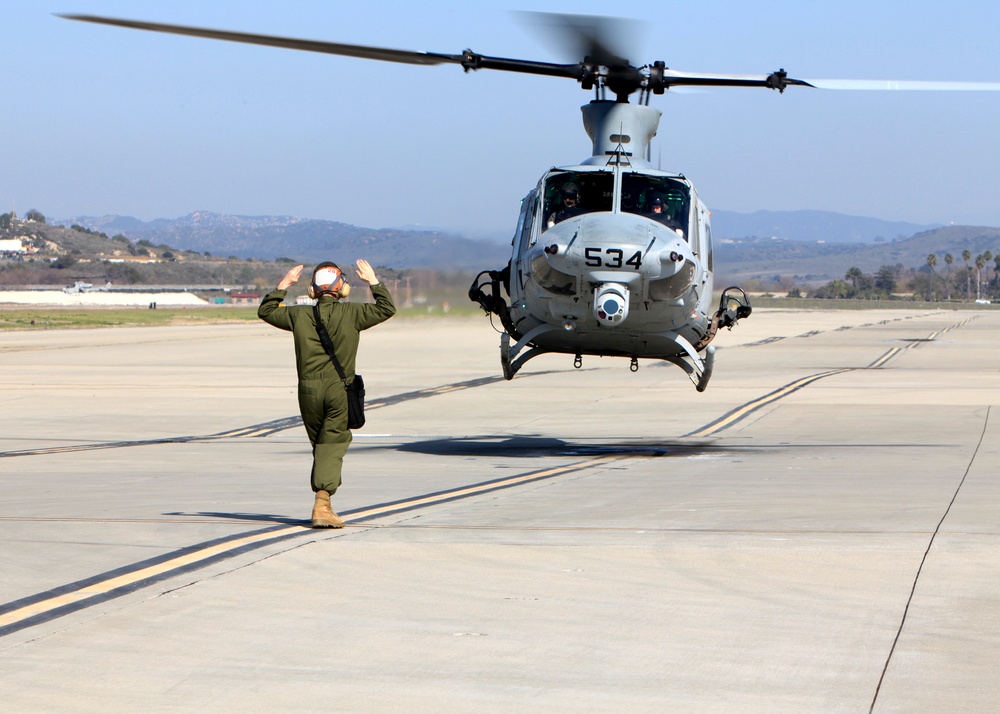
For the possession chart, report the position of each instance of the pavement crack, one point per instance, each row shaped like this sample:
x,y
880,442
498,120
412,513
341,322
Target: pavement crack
x,y
923,560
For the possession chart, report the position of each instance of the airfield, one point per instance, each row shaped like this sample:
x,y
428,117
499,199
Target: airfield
x,y
817,532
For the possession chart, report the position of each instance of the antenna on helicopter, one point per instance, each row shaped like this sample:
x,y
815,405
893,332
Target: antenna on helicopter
x,y
619,152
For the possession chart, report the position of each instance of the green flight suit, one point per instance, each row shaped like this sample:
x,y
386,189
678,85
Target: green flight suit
x,y
322,397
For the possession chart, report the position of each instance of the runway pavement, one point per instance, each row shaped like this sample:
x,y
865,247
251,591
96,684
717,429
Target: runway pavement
x,y
817,532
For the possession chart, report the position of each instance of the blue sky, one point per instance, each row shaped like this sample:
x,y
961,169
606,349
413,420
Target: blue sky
x,y
102,120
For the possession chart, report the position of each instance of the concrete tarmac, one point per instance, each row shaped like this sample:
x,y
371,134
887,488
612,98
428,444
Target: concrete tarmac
x,y
819,531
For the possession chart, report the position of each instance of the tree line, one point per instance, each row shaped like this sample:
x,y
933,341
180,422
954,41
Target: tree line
x,y
974,279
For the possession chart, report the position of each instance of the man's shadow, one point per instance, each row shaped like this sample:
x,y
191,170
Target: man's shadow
x,y
251,517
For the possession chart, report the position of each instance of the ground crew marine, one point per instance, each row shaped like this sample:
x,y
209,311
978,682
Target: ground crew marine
x,y
321,393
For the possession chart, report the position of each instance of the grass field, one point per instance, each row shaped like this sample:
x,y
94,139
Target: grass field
x,y
40,318
21,317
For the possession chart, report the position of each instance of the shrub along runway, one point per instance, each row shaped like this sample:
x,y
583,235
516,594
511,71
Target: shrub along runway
x,y
816,531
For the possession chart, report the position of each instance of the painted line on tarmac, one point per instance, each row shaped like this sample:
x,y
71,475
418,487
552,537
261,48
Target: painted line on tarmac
x,y
73,597
742,412
43,607
102,445
913,344
881,361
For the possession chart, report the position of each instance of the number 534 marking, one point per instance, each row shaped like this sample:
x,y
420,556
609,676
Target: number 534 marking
x,y
611,258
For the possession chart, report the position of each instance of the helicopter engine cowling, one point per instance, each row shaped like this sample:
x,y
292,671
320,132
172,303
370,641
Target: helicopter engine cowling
x,y
616,127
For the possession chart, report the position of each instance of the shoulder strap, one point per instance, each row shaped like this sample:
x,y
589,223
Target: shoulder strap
x,y
324,337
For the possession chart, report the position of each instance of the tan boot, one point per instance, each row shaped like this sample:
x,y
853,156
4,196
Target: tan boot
x,y
323,516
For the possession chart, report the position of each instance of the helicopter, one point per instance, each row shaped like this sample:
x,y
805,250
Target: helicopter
x,y
611,256
80,286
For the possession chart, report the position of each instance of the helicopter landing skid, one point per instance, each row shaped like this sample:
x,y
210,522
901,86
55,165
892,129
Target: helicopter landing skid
x,y
699,369
510,362
708,364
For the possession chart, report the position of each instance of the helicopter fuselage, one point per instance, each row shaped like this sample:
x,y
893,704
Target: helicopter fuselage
x,y
656,267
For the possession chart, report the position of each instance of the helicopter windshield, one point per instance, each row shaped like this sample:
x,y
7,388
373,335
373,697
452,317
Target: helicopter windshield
x,y
573,193
659,198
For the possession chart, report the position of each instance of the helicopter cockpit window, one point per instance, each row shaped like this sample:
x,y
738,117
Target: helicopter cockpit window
x,y
570,193
659,198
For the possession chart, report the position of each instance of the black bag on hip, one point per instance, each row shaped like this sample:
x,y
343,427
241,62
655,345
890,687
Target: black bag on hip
x,y
356,403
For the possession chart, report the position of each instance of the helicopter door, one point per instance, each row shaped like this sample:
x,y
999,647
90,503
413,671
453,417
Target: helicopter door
x,y
701,234
522,237
709,248
522,234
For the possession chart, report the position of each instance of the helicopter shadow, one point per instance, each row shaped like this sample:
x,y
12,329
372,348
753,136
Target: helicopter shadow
x,y
530,446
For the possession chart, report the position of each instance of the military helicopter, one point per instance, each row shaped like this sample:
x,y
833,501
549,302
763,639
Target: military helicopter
x,y
610,256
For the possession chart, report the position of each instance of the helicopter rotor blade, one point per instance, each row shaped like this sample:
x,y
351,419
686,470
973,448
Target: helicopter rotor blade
x,y
334,48
593,36
776,80
904,85
602,64
468,60
598,39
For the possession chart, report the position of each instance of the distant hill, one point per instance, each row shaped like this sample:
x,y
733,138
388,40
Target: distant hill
x,y
764,258
270,237
62,256
812,226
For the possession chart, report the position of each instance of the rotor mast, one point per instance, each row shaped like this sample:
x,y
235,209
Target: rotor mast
x,y
621,132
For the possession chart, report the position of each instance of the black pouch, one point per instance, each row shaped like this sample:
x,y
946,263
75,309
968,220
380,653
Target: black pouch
x,y
356,403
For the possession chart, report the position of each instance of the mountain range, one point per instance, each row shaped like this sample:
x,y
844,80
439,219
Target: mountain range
x,y
307,240
814,226
812,245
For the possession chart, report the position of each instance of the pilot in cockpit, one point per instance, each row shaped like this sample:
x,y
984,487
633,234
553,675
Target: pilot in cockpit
x,y
569,205
660,213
